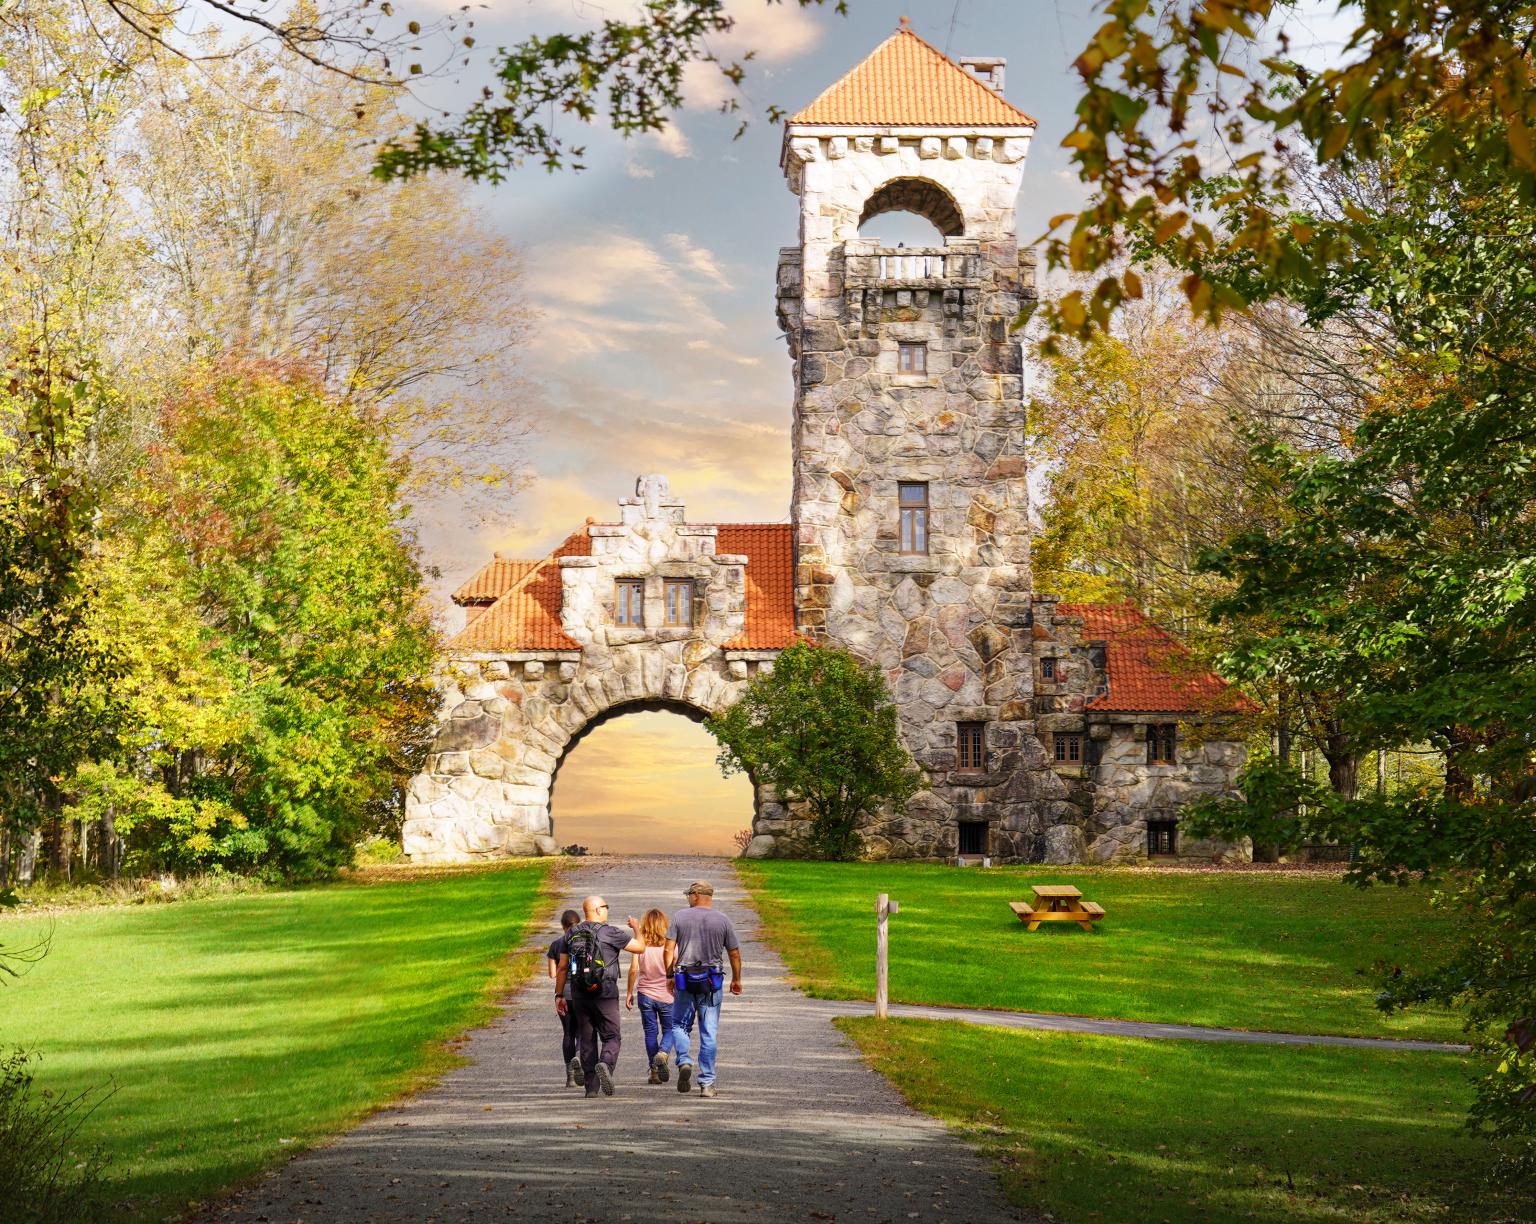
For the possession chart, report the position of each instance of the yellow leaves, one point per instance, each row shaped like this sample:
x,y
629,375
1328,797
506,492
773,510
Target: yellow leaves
x,y
1131,285
1080,138
1072,311
1169,226
1301,232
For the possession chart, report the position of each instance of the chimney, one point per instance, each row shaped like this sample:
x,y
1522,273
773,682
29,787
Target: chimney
x,y
988,69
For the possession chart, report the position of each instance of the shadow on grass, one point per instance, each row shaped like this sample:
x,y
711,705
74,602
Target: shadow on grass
x,y
240,1030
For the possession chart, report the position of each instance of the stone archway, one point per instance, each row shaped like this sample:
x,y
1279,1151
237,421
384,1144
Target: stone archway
x,y
643,778
921,196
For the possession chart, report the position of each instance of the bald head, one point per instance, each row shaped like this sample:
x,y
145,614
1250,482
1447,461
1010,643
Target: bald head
x,y
595,908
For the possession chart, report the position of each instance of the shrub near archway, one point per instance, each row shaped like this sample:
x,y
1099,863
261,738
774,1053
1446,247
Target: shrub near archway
x,y
820,728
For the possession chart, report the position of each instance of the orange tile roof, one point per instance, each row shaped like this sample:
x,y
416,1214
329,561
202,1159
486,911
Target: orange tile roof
x,y
1148,671
494,578
526,616
908,82
770,574
526,611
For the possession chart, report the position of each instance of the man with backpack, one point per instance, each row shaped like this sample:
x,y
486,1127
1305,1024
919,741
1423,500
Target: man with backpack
x,y
698,943
587,984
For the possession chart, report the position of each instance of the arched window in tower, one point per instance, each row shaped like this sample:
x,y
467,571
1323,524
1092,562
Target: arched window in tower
x,y
912,212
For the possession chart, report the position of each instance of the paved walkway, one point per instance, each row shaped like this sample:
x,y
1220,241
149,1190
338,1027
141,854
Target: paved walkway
x,y
802,1129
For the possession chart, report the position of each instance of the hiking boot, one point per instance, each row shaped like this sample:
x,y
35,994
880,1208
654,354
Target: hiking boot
x,y
707,1090
654,1077
592,1092
605,1079
660,1067
685,1077
575,1070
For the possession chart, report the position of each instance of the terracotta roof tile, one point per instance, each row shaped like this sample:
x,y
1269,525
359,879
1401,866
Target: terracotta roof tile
x,y
1148,671
494,579
770,553
908,82
526,613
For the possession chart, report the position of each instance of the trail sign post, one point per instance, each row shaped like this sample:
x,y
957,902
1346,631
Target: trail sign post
x,y
884,908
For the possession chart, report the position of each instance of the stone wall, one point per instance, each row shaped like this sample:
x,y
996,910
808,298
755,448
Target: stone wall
x,y
509,719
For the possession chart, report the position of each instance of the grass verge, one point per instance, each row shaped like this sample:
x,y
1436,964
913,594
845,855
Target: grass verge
x,y
237,1031
1119,1129
1291,953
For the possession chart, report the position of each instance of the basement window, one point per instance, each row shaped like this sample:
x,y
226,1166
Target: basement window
x,y
1162,837
629,602
1162,743
1069,747
973,837
912,357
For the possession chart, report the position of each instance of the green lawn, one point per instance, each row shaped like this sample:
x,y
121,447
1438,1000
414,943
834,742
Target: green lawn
x,y
1118,1129
239,1030
1247,951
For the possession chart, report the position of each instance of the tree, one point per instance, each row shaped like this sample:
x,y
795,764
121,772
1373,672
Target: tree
x,y
821,729
1400,578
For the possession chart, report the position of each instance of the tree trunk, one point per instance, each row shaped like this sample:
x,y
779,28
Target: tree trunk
x,y
1343,765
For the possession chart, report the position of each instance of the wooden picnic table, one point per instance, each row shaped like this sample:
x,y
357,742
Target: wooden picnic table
x,y
1057,903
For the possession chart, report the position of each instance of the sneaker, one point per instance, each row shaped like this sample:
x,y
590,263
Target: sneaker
x,y
572,1078
605,1079
575,1070
660,1067
685,1077
707,1090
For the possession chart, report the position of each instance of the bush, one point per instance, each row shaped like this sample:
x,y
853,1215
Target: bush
x,y
43,1178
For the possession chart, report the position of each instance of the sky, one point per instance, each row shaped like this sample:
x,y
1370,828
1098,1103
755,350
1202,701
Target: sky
x,y
651,276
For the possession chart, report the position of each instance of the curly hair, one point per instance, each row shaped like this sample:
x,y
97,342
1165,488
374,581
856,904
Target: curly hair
x,y
653,928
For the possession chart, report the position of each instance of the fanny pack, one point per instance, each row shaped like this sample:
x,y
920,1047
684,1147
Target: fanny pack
x,y
698,979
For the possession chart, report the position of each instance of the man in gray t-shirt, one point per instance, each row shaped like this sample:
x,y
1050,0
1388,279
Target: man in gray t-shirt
x,y
700,937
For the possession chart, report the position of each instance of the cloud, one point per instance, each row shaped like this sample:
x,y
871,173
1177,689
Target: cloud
x,y
698,259
671,140
638,170
648,782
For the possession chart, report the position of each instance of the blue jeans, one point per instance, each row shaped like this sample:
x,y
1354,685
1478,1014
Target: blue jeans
x,y
656,1021
707,1007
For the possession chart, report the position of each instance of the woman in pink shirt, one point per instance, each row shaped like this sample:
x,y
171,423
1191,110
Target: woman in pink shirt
x,y
648,973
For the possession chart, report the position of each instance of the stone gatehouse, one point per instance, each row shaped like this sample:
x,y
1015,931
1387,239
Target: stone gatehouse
x,y
1049,732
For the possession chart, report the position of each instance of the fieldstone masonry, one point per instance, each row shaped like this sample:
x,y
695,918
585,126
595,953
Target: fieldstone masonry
x,y
954,626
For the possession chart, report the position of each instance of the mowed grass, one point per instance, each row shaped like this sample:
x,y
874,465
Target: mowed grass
x,y
1241,950
240,1030
1119,1129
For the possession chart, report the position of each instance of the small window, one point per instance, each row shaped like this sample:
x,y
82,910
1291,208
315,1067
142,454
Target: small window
x,y
1048,669
1069,747
679,603
912,358
629,603
1162,743
913,501
973,837
1162,837
971,756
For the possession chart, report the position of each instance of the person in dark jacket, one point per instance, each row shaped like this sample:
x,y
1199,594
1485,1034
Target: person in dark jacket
x,y
568,1021
597,1011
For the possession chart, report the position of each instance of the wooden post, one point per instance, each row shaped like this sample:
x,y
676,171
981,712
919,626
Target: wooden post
x,y
884,908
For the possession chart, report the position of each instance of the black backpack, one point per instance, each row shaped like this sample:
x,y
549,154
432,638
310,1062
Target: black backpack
x,y
587,969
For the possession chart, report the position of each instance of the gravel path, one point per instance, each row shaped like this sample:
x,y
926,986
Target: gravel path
x,y
801,1130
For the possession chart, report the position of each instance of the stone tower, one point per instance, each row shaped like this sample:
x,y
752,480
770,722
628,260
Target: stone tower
x,y
910,503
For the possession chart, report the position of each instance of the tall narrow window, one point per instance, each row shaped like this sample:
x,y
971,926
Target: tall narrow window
x,y
1069,747
912,358
1048,669
971,756
912,499
679,603
1162,743
629,602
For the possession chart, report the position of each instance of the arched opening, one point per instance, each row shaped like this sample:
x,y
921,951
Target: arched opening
x,y
912,212
642,779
